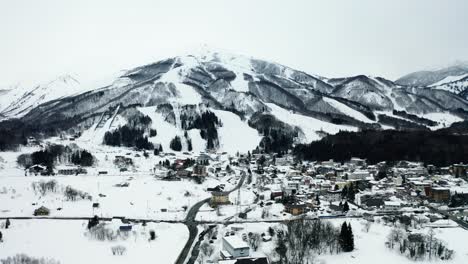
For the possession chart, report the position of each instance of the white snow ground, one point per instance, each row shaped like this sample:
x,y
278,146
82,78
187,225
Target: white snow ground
x,y
65,241
449,79
143,198
310,126
235,134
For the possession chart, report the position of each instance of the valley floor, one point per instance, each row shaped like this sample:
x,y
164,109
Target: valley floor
x,y
69,242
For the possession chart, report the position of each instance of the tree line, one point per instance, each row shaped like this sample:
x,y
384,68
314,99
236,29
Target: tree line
x,y
128,136
418,246
439,148
55,153
207,122
302,239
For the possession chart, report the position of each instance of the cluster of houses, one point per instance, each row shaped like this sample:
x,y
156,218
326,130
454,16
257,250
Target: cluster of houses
x,y
38,169
198,168
381,186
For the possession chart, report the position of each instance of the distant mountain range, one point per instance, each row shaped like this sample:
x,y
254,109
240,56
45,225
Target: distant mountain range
x,y
247,95
17,101
453,79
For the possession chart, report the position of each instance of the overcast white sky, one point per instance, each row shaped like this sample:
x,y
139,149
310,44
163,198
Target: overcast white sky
x,y
93,39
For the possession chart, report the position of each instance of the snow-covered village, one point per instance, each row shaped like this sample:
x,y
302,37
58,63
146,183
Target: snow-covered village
x,y
217,207
246,132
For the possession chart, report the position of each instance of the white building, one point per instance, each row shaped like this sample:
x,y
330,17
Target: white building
x,y
392,205
291,186
359,175
236,246
357,162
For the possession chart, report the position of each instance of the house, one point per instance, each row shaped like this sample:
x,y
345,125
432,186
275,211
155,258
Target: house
x,y
203,159
295,209
180,164
275,194
419,184
359,175
332,195
259,260
70,170
392,205
236,246
291,187
438,194
183,173
219,198
41,211
199,170
357,162
32,141
459,170
282,161
37,169
371,201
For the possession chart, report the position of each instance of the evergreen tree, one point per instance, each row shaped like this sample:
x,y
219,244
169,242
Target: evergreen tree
x,y
342,239
346,207
350,237
346,238
93,222
189,145
176,144
344,192
351,193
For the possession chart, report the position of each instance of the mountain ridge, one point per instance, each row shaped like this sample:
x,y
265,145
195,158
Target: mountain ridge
x,y
247,87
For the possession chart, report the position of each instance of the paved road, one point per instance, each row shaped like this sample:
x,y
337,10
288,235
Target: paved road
x,y
193,230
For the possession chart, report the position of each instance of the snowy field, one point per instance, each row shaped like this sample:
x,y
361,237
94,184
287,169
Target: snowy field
x,y
145,197
370,246
70,243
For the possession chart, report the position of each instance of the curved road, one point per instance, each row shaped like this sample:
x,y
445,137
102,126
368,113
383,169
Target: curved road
x,y
192,225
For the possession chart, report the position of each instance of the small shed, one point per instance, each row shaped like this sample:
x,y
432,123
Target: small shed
x,y
125,228
41,211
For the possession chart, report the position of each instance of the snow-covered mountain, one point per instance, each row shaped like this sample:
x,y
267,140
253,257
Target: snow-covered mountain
x,y
19,100
438,77
459,86
250,97
453,79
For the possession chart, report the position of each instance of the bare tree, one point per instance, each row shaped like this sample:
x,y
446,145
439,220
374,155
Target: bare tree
x,y
118,250
206,250
266,213
367,226
254,241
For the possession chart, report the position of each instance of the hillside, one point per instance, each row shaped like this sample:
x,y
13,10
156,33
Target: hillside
x,y
264,102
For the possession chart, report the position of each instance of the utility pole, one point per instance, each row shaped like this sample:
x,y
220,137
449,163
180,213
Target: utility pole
x,y
238,203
